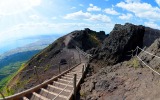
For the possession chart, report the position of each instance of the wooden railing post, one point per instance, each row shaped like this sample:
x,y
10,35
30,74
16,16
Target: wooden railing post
x,y
82,69
88,58
74,86
2,95
35,69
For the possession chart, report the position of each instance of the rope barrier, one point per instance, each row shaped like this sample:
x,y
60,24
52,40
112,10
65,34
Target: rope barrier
x,y
62,90
148,66
148,52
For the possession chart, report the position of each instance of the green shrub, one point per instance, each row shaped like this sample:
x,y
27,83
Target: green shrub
x,y
135,63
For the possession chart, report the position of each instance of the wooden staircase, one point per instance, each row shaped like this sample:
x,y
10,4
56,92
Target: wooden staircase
x,y
61,88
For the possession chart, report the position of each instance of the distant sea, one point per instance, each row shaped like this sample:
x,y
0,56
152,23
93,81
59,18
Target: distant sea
x,y
15,44
22,42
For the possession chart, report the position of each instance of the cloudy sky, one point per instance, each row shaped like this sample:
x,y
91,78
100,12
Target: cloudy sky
x,y
20,19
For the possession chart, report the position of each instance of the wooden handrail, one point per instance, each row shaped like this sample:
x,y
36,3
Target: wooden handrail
x,y
36,88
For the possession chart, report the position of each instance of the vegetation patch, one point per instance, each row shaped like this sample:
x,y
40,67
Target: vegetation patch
x,y
135,62
4,83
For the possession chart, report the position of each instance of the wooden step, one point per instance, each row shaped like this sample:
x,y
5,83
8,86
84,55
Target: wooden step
x,y
53,93
65,80
62,84
46,94
75,72
36,96
52,86
78,75
64,77
68,78
71,76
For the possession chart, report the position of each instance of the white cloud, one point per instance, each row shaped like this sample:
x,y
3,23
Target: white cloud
x,y
111,11
126,16
152,25
78,15
87,16
21,31
100,18
93,8
158,2
141,10
9,7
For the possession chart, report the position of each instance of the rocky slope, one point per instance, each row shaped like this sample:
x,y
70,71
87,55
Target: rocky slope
x,y
118,77
128,80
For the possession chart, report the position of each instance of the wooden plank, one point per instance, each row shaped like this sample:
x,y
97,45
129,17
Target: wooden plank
x,y
59,95
40,96
25,98
65,80
76,72
71,76
52,86
67,77
62,84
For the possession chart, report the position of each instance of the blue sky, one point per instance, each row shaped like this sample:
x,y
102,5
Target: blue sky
x,y
20,19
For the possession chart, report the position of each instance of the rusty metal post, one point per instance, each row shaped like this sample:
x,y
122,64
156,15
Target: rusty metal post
x,y
35,69
74,86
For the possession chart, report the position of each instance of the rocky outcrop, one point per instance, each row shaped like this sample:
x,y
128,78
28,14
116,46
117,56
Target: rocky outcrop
x,y
148,58
150,36
86,39
122,39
